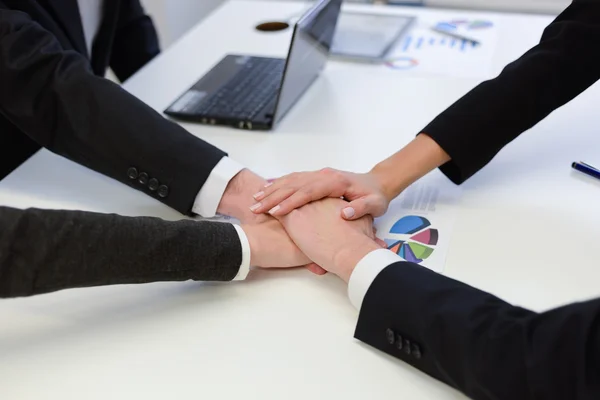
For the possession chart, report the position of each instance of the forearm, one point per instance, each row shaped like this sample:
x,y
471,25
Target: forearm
x,y
52,95
414,161
478,343
43,251
237,198
474,129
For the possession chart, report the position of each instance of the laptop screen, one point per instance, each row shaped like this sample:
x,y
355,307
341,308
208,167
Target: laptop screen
x,y
311,43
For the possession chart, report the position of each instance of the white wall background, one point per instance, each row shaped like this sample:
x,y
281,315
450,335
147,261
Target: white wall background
x,y
539,6
175,17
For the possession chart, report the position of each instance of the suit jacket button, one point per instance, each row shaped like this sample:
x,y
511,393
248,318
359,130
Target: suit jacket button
x,y
389,334
416,351
153,184
406,346
399,342
163,191
132,173
143,178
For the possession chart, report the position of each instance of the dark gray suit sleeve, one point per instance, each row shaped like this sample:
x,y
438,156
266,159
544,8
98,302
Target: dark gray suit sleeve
x,y
43,251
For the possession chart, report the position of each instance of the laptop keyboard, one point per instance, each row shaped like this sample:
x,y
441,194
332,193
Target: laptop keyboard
x,y
247,93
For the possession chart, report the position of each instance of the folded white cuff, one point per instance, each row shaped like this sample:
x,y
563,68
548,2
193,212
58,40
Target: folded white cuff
x,y
366,271
245,267
208,199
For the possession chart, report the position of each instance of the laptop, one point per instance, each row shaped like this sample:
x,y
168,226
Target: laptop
x,y
255,93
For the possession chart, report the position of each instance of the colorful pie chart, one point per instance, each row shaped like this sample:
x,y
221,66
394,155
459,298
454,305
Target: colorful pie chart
x,y
413,238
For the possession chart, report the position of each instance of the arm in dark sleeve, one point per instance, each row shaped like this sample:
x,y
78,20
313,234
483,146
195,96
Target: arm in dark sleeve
x,y
560,67
52,95
136,41
43,251
481,345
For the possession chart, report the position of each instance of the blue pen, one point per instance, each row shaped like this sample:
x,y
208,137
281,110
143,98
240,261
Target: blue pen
x,y
586,169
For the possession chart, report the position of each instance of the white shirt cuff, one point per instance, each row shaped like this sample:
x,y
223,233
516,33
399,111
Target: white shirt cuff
x,y
366,271
245,267
208,199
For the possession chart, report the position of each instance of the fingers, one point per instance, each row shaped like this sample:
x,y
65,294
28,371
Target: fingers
x,y
271,200
276,191
367,205
356,209
297,200
279,201
315,269
274,185
295,190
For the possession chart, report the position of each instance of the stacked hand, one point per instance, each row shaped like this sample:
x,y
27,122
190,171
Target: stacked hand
x,y
365,192
368,194
314,233
270,245
335,244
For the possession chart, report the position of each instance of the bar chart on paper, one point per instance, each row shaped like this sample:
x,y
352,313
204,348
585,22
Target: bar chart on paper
x,y
411,43
427,51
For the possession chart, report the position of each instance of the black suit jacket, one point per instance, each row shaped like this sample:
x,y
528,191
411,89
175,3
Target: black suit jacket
x,y
481,345
51,96
43,251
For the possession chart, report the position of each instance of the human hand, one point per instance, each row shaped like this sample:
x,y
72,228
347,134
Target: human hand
x,y
368,193
271,247
236,199
335,244
364,191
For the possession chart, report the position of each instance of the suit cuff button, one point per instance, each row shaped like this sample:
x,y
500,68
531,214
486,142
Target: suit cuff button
x,y
163,191
132,173
390,336
399,342
143,178
153,184
416,351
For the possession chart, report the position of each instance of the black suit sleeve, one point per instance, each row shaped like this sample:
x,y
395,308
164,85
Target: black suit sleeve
x,y
560,67
43,251
52,95
136,41
481,345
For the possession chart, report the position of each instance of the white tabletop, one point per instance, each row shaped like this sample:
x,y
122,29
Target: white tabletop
x,y
526,230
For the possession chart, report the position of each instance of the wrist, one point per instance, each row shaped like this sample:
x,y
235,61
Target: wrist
x,y
348,257
254,241
237,197
415,160
391,184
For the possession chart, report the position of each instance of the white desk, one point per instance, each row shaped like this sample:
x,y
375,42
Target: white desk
x,y
527,231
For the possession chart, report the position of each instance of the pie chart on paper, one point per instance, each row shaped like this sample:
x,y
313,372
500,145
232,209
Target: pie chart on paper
x,y
412,238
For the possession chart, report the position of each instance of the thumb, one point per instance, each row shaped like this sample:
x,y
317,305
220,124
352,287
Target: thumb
x,y
357,209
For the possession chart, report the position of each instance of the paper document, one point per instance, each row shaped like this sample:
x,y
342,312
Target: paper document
x,y
424,51
418,224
